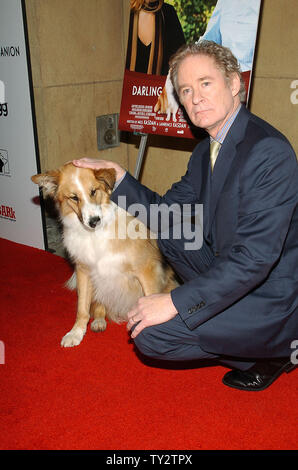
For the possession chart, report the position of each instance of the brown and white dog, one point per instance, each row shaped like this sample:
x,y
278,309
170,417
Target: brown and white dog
x,y
112,272
167,102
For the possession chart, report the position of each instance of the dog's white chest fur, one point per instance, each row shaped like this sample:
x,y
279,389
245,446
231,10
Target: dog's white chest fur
x,y
114,286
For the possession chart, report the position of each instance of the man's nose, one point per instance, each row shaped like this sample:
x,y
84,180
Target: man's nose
x,y
196,96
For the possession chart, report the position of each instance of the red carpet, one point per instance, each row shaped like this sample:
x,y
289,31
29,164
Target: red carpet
x,y
100,395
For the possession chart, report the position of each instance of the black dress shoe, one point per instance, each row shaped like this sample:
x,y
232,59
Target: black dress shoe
x,y
259,376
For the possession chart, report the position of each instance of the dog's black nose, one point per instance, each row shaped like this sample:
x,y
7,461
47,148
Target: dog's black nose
x,y
93,221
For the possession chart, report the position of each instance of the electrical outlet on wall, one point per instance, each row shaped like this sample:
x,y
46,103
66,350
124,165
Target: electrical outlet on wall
x,y
108,134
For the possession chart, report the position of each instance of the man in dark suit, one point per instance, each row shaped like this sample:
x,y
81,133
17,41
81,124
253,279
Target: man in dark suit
x,y
238,302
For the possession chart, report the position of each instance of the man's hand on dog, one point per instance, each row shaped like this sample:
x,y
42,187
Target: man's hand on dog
x,y
99,164
151,310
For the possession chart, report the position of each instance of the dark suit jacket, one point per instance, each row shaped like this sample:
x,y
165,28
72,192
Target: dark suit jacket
x,y
246,303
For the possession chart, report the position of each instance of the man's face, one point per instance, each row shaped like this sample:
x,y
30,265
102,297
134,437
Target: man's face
x,y
208,98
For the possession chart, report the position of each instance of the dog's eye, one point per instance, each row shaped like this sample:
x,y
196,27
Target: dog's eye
x,y
92,192
74,198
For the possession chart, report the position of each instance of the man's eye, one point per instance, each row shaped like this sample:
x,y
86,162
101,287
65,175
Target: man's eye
x,y
185,93
74,198
206,84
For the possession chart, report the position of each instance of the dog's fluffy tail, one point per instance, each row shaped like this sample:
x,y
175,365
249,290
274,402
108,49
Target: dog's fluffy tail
x,y
71,284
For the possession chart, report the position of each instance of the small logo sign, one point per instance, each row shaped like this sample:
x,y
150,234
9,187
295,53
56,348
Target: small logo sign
x,y
4,163
7,212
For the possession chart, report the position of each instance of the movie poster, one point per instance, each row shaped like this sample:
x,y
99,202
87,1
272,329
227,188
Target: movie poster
x,y
20,216
157,29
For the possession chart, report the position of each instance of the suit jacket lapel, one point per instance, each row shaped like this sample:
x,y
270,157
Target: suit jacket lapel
x,y
227,154
221,170
206,192
200,176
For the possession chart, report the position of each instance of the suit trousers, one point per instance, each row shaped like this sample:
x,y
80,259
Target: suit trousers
x,y
173,340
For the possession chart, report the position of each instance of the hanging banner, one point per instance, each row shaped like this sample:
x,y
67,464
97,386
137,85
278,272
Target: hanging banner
x,y
157,29
20,213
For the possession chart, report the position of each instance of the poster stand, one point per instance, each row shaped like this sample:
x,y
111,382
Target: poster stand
x,y
142,148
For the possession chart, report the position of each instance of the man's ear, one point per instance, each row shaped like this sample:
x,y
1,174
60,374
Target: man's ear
x,y
107,176
234,80
48,182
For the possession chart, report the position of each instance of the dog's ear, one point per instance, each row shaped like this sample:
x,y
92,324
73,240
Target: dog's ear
x,y
107,176
48,182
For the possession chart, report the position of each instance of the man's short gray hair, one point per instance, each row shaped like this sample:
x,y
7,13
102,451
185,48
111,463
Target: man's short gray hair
x,y
223,57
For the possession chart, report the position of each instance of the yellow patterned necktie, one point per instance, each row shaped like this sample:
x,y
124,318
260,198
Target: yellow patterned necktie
x,y
214,149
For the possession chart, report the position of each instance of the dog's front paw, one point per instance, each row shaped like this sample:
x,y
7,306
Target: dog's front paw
x,y
72,338
99,324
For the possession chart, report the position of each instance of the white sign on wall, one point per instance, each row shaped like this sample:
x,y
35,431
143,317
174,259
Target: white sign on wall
x,y
20,213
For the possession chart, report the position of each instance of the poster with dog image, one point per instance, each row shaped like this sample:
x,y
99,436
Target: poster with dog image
x,y
157,29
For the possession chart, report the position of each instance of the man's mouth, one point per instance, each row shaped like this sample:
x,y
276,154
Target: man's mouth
x,y
201,111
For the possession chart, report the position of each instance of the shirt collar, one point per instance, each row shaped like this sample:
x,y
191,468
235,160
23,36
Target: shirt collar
x,y
220,136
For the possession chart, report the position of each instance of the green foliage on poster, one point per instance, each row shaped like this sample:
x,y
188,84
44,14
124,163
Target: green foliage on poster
x,y
194,16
